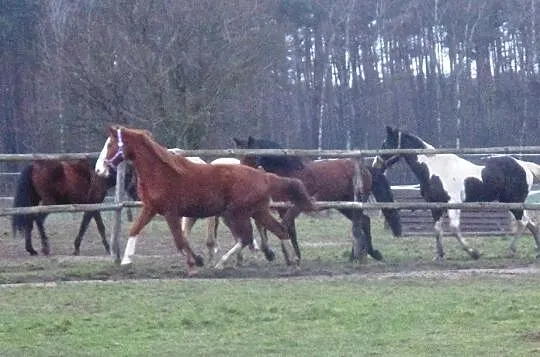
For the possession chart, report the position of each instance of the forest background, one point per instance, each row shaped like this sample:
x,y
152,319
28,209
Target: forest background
x,y
306,73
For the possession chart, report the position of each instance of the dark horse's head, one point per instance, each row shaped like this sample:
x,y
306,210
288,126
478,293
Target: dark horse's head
x,y
268,162
398,139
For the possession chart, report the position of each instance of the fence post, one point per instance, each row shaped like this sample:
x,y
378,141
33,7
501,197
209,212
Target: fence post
x,y
358,249
118,198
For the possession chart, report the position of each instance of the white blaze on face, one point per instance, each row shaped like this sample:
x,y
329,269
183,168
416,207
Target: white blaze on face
x,y
102,169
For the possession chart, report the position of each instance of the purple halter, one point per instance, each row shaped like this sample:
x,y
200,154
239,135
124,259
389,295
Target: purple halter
x,y
114,161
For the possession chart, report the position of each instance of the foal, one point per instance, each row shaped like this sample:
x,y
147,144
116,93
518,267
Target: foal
x,y
174,187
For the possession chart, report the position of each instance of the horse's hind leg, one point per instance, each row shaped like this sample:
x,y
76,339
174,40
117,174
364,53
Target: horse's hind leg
x,y
182,244
40,220
288,219
265,248
212,224
28,236
525,222
266,220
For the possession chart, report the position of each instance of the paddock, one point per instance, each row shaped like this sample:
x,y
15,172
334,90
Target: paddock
x,y
88,305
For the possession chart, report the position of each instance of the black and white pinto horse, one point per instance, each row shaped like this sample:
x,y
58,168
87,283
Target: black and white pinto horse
x,y
450,178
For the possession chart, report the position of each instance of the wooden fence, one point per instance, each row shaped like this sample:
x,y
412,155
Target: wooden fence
x,y
119,203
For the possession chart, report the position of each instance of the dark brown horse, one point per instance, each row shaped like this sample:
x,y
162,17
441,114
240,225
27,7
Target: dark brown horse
x,y
330,180
52,182
174,187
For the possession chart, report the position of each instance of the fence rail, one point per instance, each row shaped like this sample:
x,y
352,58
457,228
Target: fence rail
x,y
119,204
319,205
293,152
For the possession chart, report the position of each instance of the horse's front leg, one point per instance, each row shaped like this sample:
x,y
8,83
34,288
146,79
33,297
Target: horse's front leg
x,y
453,215
87,216
142,220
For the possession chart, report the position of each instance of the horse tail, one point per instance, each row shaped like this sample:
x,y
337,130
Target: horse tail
x,y
25,196
382,192
291,189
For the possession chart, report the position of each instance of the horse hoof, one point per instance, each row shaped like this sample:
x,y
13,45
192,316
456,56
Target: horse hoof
x,y
474,254
199,261
32,252
377,255
75,252
269,254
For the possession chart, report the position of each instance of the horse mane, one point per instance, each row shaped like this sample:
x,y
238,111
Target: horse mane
x,y
162,153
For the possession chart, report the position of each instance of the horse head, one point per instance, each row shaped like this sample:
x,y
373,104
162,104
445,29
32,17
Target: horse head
x,y
398,139
269,163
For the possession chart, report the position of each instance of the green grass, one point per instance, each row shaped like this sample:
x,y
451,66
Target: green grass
x,y
324,317
328,307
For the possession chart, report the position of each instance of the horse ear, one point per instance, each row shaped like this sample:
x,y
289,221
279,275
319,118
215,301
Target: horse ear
x,y
251,141
237,142
112,130
389,130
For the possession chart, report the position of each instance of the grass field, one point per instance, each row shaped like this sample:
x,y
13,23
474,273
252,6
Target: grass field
x,y
406,305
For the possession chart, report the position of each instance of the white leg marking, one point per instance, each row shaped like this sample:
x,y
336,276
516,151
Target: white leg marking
x,y
129,252
237,247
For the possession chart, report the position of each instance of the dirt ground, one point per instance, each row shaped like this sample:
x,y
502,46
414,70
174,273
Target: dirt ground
x,y
156,259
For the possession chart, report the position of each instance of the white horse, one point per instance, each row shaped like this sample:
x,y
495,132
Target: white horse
x,y
450,178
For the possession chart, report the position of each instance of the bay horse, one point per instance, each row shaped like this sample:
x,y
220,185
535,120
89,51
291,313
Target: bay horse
x,y
52,182
450,178
329,180
171,186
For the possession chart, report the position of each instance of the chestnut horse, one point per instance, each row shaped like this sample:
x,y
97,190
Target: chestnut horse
x,y
174,187
52,182
330,180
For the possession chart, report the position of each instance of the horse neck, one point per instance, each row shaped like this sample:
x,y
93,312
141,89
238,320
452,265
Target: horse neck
x,y
420,170
149,156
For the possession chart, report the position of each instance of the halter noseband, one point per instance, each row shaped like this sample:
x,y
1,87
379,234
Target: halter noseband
x,y
114,161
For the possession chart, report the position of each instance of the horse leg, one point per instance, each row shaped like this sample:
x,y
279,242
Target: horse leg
x,y
288,220
453,214
101,229
40,220
212,224
182,244
242,232
28,236
361,232
142,220
265,248
524,222
365,236
270,223
87,216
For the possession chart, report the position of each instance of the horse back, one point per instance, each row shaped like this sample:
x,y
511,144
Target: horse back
x,y
62,182
331,179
